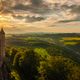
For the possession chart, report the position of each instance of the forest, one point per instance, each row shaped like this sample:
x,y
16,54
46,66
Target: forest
x,y
42,57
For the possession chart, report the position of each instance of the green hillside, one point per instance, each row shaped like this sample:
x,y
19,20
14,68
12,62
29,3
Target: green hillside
x,y
43,57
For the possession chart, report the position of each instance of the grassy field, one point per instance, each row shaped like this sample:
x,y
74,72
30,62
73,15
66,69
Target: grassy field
x,y
44,40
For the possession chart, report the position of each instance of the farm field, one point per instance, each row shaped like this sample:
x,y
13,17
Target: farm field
x,y
45,40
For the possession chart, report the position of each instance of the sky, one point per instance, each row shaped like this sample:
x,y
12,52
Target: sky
x,y
52,16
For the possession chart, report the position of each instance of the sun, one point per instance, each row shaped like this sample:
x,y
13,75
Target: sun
x,y
5,20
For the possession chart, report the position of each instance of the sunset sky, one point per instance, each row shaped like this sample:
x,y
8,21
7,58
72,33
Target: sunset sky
x,y
22,16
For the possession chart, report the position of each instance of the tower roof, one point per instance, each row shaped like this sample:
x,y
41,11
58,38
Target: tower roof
x,y
2,31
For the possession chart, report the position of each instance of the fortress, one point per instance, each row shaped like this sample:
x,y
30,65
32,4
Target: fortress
x,y
2,46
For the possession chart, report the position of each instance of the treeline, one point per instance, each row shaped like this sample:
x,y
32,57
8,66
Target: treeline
x,y
38,64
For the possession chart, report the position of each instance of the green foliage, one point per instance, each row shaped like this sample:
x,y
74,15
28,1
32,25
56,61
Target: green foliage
x,y
42,57
14,75
42,52
38,64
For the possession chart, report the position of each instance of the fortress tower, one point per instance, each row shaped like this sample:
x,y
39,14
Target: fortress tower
x,y
2,46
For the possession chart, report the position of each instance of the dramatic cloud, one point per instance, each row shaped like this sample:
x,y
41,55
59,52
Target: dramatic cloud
x,y
41,15
76,9
30,18
43,6
34,19
36,2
